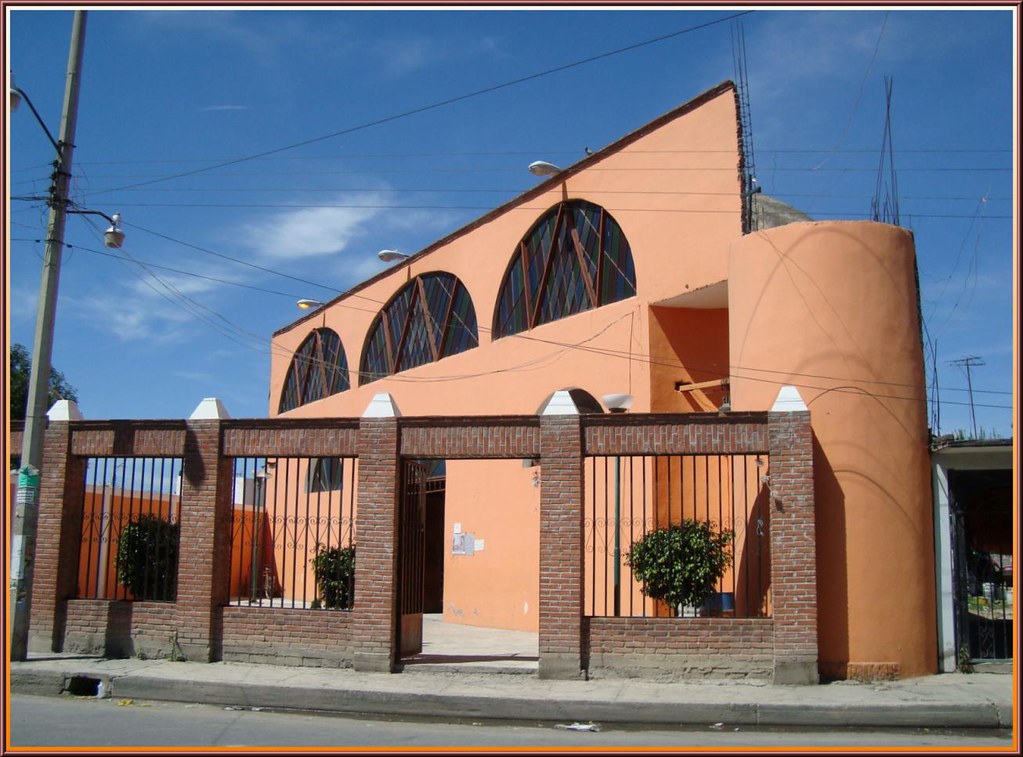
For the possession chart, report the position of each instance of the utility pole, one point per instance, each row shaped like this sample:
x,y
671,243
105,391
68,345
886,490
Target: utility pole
x,y
27,507
967,363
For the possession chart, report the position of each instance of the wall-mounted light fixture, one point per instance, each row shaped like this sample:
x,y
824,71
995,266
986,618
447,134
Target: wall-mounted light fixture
x,y
391,256
543,168
618,403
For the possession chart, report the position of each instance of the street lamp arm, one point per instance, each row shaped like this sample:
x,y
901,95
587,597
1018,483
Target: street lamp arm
x,y
83,212
21,93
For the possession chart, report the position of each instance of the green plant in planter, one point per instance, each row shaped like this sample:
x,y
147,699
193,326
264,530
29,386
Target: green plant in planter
x,y
335,577
147,558
681,564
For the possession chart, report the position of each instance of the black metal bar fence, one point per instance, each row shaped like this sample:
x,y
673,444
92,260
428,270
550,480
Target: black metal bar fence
x,y
629,496
293,532
130,529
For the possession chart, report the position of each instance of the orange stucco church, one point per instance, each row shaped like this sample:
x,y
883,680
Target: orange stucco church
x,y
648,270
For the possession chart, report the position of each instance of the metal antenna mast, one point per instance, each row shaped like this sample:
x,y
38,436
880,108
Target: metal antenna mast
x,y
749,170
967,363
885,209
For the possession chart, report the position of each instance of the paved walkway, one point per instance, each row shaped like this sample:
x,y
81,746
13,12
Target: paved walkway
x,y
466,673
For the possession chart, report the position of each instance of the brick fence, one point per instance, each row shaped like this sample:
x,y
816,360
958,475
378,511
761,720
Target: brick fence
x,y
201,625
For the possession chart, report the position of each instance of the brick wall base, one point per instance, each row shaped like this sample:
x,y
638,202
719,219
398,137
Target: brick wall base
x,y
118,629
680,648
313,638
864,672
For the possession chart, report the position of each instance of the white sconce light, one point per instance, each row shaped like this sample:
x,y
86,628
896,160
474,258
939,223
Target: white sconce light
x,y
618,403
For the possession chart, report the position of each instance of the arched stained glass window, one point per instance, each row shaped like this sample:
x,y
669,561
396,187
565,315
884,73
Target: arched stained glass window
x,y
430,318
573,259
318,369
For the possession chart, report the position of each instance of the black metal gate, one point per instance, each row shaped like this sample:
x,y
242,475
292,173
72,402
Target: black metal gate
x,y
981,530
411,558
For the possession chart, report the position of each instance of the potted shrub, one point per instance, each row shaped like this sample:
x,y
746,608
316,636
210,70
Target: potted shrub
x,y
681,564
147,557
335,578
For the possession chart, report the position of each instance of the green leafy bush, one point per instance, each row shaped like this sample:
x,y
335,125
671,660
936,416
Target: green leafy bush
x,y
681,564
335,577
147,558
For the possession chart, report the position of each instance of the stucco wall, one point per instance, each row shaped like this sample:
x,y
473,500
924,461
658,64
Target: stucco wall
x,y
497,581
832,309
674,190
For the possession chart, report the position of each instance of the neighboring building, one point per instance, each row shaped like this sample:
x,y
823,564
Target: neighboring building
x,y
974,542
629,272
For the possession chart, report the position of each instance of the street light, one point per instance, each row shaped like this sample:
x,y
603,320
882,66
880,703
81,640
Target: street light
x,y
390,256
305,304
112,237
618,403
27,512
543,168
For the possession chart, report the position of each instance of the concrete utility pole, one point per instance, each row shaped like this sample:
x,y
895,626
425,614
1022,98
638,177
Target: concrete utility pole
x,y
967,363
27,512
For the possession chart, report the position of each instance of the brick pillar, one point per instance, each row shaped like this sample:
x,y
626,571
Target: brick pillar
x,y
374,619
58,540
561,547
204,553
793,548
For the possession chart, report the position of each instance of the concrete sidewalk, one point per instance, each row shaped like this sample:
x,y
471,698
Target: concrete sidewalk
x,y
473,674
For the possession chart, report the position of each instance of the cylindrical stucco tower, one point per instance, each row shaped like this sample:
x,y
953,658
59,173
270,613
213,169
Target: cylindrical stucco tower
x,y
832,308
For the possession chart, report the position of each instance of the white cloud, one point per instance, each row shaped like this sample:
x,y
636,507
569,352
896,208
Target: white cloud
x,y
310,232
398,58
266,38
406,54
792,47
156,306
22,304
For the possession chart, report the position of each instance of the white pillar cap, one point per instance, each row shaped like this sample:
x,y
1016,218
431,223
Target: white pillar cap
x,y
382,406
209,409
65,410
560,403
789,400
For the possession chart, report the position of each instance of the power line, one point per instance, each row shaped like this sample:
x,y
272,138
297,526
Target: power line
x,y
531,152
440,104
147,265
967,363
434,170
339,206
651,359
517,190
229,329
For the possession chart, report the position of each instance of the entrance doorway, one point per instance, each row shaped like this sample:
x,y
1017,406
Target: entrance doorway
x,y
476,568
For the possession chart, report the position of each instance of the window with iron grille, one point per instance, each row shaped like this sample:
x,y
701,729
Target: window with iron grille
x,y
318,369
573,259
430,318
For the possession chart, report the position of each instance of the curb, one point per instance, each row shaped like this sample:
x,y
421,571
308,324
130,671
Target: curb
x,y
349,701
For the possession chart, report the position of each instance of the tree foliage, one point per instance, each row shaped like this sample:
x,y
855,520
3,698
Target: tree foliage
x,y
681,564
335,577
21,369
147,558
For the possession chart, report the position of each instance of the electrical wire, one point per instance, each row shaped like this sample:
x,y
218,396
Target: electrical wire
x,y
436,105
232,331
648,359
519,208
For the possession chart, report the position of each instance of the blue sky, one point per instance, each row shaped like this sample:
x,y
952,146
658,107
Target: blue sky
x,y
169,95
